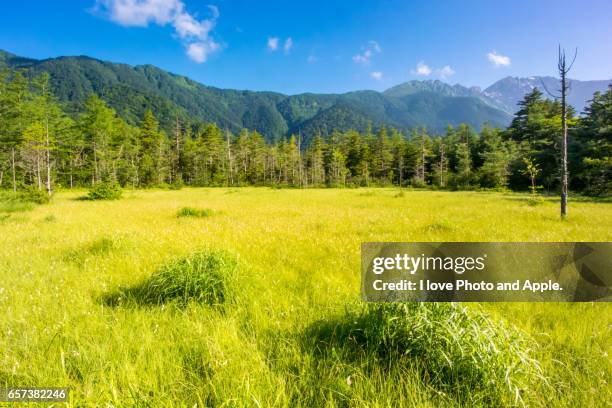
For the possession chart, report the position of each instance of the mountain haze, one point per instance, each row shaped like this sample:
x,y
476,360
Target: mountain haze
x,y
507,92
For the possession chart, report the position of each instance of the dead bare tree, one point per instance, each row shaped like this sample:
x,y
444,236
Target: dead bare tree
x,y
442,166
564,68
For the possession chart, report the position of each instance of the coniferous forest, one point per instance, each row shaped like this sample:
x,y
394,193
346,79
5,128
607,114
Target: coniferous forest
x,y
44,148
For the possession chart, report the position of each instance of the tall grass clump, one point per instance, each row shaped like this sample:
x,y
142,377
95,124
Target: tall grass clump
x,y
194,212
204,277
105,191
458,351
440,226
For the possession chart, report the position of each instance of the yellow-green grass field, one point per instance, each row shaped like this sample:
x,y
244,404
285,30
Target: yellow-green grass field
x,y
276,342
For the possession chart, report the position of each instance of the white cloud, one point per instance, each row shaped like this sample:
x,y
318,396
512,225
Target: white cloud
x,y
422,69
273,43
445,72
376,75
374,46
199,51
288,45
368,52
140,13
188,27
214,10
312,59
498,60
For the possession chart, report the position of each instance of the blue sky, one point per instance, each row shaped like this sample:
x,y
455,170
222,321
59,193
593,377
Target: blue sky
x,y
319,46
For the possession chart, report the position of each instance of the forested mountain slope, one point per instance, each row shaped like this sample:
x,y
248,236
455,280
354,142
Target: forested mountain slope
x,y
131,90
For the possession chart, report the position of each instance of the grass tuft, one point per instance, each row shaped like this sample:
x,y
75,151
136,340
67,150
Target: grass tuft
x,y
194,212
204,277
440,226
458,351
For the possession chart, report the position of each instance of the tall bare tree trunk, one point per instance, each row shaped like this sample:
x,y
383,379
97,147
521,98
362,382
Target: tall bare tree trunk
x,y
442,165
38,171
96,176
400,165
13,169
422,175
229,158
48,157
177,146
564,178
563,70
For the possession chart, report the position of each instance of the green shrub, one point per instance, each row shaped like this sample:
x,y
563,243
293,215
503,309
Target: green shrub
x,y
416,182
204,277
105,191
35,196
194,212
176,184
535,200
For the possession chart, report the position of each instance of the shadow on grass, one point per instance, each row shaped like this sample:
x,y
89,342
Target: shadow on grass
x,y
555,199
99,247
9,379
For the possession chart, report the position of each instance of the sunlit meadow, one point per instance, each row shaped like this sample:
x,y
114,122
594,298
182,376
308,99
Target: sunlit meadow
x,y
276,341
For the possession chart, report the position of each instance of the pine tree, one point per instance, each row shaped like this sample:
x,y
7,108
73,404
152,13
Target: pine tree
x,y
33,152
316,160
46,112
98,124
595,145
398,159
151,148
382,155
422,143
14,114
356,153
497,155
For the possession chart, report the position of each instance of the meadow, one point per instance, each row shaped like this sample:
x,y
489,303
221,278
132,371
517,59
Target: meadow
x,y
81,306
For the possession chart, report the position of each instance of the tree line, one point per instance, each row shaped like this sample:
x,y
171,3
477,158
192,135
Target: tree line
x,y
43,148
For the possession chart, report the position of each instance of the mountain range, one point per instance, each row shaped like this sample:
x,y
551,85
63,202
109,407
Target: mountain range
x,y
130,90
